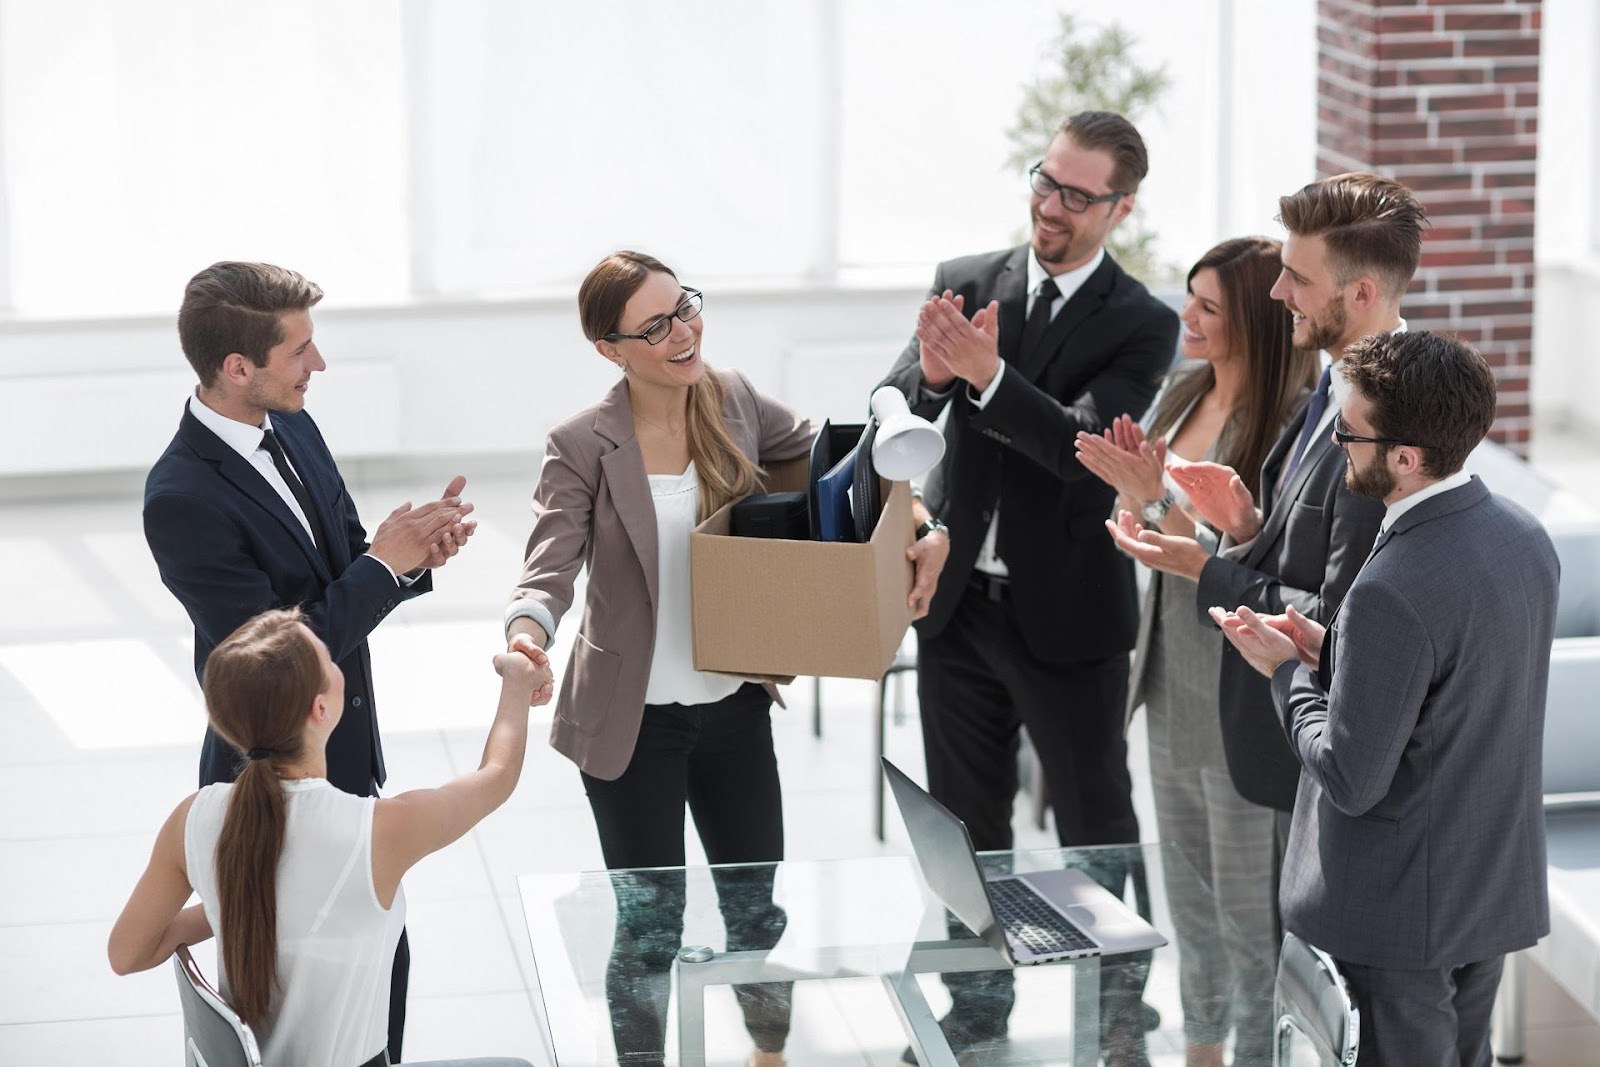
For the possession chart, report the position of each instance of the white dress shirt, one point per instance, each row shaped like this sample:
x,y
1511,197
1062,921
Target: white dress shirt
x,y
246,439
1406,503
1068,282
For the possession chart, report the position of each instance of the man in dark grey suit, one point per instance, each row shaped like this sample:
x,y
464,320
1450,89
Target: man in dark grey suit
x,y
1417,854
1353,244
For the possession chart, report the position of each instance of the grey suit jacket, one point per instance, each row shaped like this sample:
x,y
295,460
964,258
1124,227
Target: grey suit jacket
x,y
1313,540
1418,836
592,506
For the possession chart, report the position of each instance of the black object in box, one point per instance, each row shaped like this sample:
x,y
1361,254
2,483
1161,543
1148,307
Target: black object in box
x,y
782,515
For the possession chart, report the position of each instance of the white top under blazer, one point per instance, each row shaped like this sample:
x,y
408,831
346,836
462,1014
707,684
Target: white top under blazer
x,y
336,944
673,679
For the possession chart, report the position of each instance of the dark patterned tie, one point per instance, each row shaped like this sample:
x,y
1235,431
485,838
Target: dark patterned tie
x,y
1314,409
270,442
1038,321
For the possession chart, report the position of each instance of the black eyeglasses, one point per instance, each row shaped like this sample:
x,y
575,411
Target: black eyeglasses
x,y
1342,434
658,330
1074,200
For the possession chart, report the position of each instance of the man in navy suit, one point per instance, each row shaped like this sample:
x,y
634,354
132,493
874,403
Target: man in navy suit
x,y
246,511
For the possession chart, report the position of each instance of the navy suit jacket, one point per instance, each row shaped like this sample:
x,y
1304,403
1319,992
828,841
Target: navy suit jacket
x,y
229,548
1101,356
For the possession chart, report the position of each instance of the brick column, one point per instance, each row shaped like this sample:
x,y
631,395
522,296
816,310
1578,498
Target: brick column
x,y
1443,95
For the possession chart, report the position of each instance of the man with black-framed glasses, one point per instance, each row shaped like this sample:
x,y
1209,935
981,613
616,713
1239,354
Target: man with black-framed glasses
x,y
1035,612
1417,854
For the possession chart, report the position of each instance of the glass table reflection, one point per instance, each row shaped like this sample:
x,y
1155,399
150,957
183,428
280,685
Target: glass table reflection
x,y
692,966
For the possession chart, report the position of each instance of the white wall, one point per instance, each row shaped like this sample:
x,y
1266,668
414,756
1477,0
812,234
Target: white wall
x,y
1566,372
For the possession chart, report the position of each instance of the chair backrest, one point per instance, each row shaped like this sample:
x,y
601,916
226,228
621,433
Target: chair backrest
x,y
214,1034
1312,1000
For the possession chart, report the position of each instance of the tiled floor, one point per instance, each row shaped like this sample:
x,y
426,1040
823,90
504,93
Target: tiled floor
x,y
99,728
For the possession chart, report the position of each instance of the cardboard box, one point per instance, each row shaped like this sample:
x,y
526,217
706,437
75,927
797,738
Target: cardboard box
x,y
769,607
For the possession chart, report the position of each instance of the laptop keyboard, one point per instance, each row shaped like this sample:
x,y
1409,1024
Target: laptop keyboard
x,y
1031,921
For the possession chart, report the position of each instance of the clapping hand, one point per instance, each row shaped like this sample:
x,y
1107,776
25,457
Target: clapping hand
x,y
1268,641
1219,496
454,536
1124,459
1169,553
953,347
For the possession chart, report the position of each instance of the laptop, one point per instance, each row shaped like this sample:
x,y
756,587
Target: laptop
x,y
1039,917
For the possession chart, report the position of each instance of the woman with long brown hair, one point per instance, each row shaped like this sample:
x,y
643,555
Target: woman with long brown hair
x,y
300,880
623,484
1242,382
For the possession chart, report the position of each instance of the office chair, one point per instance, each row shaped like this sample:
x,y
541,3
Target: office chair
x,y
214,1036
1312,1000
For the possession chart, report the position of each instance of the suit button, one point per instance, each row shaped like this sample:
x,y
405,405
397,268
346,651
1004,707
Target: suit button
x,y
355,702
986,516
389,606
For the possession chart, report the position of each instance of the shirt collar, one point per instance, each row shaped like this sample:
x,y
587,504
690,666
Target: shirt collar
x,y
239,436
1068,281
1405,504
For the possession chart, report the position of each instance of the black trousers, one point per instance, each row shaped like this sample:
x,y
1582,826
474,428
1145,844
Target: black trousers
x,y
977,683
716,760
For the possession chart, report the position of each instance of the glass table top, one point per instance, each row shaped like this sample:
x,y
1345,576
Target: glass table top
x,y
613,950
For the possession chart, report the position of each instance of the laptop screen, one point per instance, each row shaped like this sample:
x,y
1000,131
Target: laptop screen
x,y
945,854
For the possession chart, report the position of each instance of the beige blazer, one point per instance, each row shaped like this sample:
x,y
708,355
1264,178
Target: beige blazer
x,y
593,507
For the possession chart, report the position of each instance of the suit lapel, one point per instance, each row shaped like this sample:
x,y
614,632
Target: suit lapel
x,y
238,471
624,472
1315,449
1272,466
1011,290
1090,298
311,476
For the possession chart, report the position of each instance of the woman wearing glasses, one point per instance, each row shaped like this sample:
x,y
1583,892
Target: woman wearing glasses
x,y
623,484
1242,382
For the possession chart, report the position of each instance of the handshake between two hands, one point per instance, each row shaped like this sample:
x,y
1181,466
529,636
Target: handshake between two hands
x,y
524,668
1268,641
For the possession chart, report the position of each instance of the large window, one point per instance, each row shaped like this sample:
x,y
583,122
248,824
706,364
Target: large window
x,y
405,149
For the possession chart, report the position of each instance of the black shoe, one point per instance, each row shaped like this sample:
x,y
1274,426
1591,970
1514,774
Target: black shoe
x,y
966,1039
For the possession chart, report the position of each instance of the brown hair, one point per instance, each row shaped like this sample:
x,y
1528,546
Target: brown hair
x,y
238,307
1370,225
259,684
725,472
1260,331
1107,131
1426,389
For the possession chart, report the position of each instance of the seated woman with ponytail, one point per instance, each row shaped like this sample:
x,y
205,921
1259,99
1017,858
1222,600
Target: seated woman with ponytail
x,y
300,880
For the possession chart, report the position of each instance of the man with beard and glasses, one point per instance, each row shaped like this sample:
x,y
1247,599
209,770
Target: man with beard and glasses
x,y
1353,244
1417,855
1035,613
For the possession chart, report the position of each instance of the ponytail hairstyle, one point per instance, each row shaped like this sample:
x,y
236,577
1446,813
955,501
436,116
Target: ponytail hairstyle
x,y
259,686
724,471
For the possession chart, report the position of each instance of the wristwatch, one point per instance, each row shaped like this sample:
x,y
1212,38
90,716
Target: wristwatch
x,y
932,526
1155,511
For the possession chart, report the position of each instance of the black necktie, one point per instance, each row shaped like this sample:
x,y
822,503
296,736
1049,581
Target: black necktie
x,y
1038,320
1314,409
269,441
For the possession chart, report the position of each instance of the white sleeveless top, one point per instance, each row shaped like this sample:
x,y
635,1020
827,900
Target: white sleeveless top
x,y
673,679
335,943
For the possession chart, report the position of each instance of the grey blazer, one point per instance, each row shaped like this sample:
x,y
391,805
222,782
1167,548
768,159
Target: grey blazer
x,y
592,506
1418,835
1314,538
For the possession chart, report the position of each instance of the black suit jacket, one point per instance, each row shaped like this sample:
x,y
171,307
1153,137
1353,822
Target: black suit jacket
x,y
1102,356
229,548
1314,538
